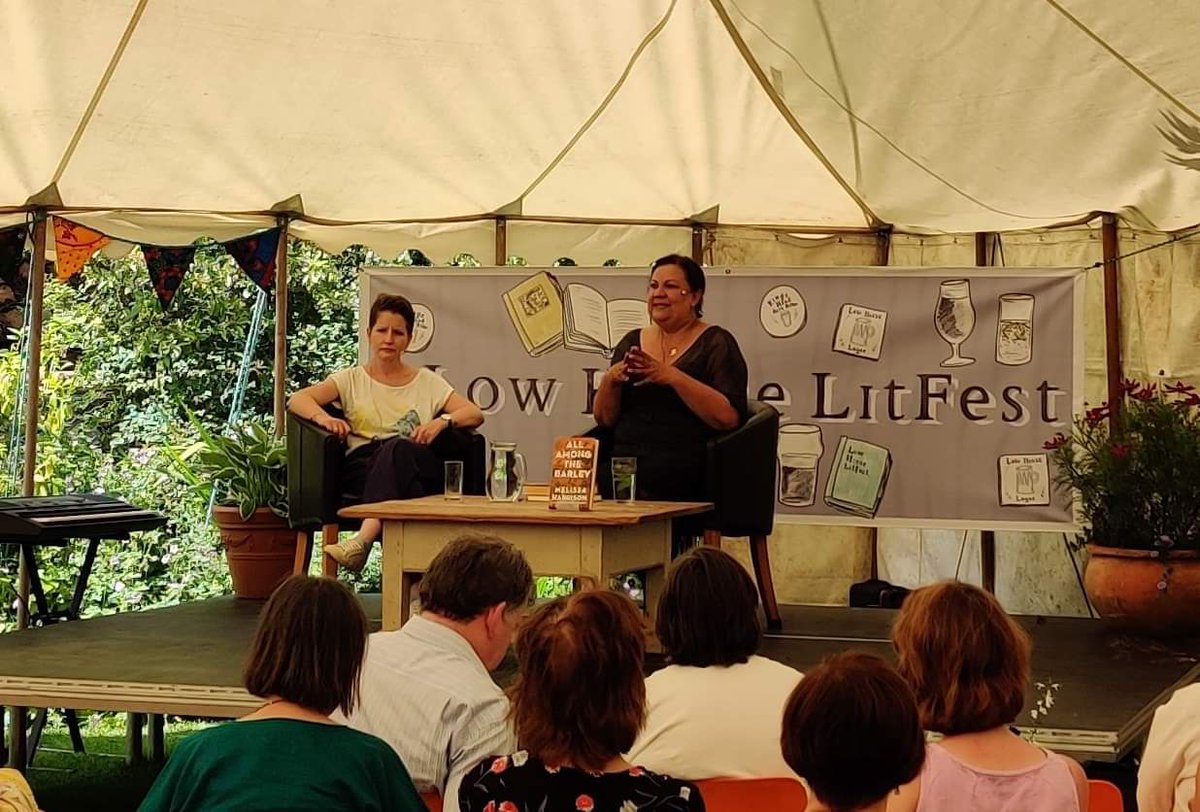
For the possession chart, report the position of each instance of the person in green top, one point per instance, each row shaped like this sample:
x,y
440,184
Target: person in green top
x,y
288,754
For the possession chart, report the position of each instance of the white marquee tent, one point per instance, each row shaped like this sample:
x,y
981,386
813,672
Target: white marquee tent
x,y
614,127
162,120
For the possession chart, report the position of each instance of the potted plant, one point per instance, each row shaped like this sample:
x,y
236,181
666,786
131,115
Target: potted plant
x,y
248,468
1136,474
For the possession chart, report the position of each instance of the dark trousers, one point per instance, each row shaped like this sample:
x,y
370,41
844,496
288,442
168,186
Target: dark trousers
x,y
391,469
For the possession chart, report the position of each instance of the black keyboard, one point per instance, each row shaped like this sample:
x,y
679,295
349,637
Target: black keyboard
x,y
69,516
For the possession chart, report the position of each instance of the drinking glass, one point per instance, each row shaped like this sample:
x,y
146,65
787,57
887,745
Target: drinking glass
x,y
624,474
454,479
1014,330
954,319
800,450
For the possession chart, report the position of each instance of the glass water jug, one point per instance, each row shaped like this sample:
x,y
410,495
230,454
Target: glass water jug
x,y
506,473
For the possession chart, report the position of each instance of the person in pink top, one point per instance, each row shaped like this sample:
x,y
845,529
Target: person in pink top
x,y
967,662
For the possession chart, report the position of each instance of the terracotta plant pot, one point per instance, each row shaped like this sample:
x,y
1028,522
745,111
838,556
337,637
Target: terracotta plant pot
x,y
260,550
1125,586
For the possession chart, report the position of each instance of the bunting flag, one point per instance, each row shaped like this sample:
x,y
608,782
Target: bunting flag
x,y
12,252
167,267
74,244
256,255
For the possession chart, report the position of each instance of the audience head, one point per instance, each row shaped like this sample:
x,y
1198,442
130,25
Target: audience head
x,y
708,612
693,275
851,730
966,660
309,646
483,581
580,698
392,303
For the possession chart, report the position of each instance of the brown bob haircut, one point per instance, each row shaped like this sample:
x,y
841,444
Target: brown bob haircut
x,y
966,660
473,573
309,646
708,612
691,271
851,730
392,303
580,698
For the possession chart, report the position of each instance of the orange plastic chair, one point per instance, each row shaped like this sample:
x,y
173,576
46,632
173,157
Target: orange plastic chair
x,y
753,795
433,800
1104,797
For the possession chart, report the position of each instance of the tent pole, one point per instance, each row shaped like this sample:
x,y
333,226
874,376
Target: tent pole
x,y
883,253
501,241
33,372
281,320
987,538
1112,312
698,243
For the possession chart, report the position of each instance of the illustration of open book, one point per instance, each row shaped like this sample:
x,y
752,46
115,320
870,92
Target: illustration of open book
x,y
593,324
535,306
858,477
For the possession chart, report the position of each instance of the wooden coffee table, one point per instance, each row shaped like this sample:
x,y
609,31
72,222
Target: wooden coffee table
x,y
611,539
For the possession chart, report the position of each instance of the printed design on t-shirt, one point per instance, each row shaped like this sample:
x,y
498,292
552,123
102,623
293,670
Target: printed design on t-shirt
x,y
406,425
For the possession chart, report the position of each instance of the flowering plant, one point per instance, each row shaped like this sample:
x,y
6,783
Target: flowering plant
x,y
1138,473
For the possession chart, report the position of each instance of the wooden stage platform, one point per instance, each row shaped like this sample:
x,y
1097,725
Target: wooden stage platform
x,y
186,660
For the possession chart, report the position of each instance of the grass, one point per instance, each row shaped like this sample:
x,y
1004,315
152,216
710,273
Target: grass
x,y
98,780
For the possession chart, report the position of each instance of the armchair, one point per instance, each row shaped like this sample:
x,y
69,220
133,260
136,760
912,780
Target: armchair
x,y
740,481
314,481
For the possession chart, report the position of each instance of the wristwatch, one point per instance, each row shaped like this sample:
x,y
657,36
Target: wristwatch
x,y
449,420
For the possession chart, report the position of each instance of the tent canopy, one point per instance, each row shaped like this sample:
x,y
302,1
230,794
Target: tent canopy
x,y
169,119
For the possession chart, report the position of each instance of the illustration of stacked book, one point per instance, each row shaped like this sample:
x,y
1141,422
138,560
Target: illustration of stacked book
x,y
546,316
858,477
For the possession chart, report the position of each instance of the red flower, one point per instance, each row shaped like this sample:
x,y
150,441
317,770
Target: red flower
x,y
1129,386
584,803
1095,416
1180,388
1057,441
508,806
499,765
1120,450
1145,393
1192,399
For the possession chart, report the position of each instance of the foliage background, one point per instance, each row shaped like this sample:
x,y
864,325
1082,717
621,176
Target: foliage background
x,y
119,378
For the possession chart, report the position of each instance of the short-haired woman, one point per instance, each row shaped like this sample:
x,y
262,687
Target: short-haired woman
x,y
710,631
968,664
394,412
305,662
852,732
577,706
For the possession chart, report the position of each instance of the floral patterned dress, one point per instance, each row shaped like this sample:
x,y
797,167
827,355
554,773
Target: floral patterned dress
x,y
522,783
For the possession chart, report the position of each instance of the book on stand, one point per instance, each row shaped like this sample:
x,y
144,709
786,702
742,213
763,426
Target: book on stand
x,y
573,473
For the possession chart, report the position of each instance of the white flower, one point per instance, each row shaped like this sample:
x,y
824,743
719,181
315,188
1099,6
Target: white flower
x,y
519,758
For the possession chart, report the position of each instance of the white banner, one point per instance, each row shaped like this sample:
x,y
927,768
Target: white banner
x,y
909,397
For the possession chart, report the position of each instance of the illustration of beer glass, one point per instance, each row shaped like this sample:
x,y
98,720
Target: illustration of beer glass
x,y
800,451
1027,480
1014,331
954,319
862,333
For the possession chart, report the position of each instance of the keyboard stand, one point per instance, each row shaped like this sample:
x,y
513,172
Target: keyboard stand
x,y
45,616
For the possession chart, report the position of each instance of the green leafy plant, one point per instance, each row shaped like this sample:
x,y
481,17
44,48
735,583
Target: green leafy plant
x,y
1137,474
247,466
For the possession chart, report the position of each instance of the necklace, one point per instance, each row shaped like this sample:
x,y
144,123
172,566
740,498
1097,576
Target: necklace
x,y
671,352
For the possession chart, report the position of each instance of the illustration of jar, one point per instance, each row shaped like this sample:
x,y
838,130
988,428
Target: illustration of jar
x,y
1027,480
800,450
1014,330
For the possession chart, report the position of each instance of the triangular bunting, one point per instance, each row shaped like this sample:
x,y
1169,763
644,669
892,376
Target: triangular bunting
x,y
74,245
167,267
12,253
256,255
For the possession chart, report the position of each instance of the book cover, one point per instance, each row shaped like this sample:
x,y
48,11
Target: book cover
x,y
573,473
858,477
593,324
536,309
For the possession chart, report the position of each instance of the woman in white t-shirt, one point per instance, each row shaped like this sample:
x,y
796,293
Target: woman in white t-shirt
x,y
394,412
717,708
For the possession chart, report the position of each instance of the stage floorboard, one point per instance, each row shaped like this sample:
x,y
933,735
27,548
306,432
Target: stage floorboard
x,y
187,660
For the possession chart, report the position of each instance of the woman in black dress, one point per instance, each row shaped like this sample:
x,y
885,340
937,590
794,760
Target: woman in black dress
x,y
672,387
